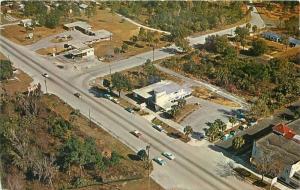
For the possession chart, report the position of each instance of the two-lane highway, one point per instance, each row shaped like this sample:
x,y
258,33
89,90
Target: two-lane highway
x,y
192,167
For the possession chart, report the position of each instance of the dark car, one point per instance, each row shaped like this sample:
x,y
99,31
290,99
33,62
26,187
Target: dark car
x,y
78,95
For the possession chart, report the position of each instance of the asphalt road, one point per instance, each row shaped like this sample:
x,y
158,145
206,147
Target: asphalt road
x,y
193,167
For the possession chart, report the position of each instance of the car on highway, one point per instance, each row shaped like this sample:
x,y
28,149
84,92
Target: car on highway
x,y
78,95
168,155
136,133
158,127
45,75
160,161
130,110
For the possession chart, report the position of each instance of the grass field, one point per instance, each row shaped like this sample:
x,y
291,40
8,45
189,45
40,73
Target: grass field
x,y
121,29
18,33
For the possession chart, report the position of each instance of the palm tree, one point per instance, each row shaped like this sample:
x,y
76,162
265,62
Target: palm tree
x,y
248,25
232,120
188,130
254,30
221,125
238,142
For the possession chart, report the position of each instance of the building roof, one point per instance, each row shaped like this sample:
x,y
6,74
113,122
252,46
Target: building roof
x,y
83,6
27,20
80,24
79,50
271,34
282,148
102,33
294,41
284,130
164,85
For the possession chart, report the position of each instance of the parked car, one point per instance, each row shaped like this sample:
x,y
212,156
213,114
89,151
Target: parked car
x,y
130,110
252,122
108,96
232,133
160,161
243,127
115,100
169,155
78,95
136,133
45,75
158,127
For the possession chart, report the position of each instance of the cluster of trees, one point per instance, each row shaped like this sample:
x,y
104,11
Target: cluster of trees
x,y
6,69
120,82
215,129
292,26
185,17
274,82
18,145
259,47
51,18
220,44
22,118
84,154
59,127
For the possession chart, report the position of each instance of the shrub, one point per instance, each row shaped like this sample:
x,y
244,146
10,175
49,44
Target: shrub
x,y
6,70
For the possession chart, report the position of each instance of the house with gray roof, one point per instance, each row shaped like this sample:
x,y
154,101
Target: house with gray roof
x,y
282,146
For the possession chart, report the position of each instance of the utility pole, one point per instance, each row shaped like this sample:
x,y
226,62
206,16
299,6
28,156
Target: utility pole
x,y
148,149
153,52
46,85
90,117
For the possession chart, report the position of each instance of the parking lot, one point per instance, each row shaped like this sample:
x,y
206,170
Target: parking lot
x,y
207,112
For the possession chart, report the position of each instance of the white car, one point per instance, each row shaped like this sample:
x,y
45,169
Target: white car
x,y
160,161
115,100
158,127
169,155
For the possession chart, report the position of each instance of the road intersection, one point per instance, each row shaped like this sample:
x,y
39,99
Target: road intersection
x,y
194,166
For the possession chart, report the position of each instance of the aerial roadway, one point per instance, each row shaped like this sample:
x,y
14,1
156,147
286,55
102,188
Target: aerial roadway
x,y
194,166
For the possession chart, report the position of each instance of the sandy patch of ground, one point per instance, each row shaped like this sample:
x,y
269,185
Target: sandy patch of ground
x,y
205,94
18,83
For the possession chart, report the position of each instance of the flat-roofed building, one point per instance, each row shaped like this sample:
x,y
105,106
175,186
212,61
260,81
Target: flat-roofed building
x,y
281,146
81,52
162,95
78,25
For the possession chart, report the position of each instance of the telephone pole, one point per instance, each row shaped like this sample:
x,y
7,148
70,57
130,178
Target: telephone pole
x,y
90,117
153,52
46,85
148,149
